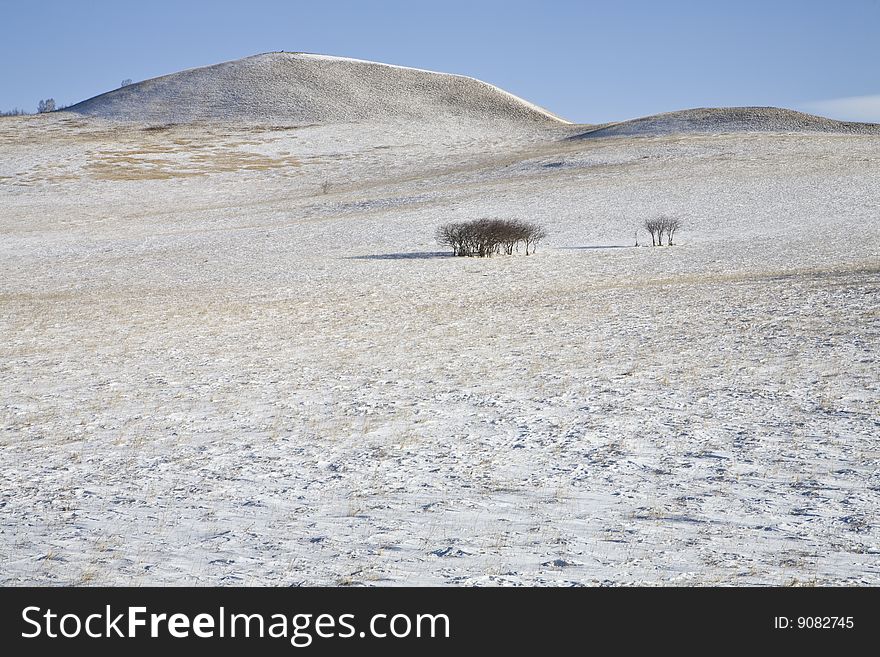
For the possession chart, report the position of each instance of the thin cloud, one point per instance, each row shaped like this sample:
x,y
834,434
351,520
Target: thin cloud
x,y
853,108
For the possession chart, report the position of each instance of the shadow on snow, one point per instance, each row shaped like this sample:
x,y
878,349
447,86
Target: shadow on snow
x,y
583,248
420,255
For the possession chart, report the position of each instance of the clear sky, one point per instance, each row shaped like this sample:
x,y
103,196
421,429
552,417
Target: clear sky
x,y
586,61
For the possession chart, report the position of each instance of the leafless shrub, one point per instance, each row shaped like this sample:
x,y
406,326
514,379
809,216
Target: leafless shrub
x,y
660,226
670,226
532,235
325,187
125,83
486,237
653,227
15,111
450,235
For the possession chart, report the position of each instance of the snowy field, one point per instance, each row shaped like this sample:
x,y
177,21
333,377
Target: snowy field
x,y
235,355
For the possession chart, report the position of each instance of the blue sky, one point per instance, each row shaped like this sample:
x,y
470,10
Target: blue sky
x,y
586,61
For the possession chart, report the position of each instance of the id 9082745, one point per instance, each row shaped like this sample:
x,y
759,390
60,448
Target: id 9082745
x,y
814,623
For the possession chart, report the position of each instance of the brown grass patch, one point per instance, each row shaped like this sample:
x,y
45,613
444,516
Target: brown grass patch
x,y
242,161
137,165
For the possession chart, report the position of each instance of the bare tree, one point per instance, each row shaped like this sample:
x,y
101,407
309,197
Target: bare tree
x,y
509,233
533,235
47,105
653,227
486,236
15,111
125,83
670,225
451,235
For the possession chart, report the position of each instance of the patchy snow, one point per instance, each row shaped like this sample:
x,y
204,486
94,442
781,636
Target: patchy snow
x,y
715,120
218,369
302,88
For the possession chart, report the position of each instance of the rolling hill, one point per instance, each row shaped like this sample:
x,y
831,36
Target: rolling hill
x,y
726,119
308,89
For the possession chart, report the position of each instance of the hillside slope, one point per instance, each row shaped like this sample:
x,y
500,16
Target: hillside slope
x,y
306,89
726,119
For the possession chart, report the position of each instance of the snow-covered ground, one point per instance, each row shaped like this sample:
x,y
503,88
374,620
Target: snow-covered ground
x,y
235,355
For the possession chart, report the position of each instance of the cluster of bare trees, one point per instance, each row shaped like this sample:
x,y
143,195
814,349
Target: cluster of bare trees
x,y
47,105
487,237
660,226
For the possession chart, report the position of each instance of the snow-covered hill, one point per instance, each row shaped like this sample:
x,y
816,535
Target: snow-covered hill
x,y
307,89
